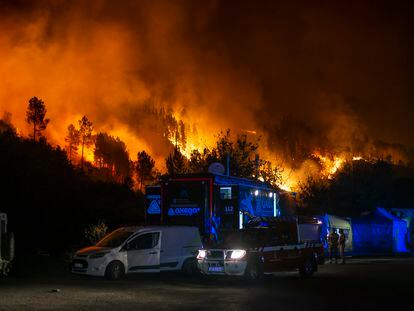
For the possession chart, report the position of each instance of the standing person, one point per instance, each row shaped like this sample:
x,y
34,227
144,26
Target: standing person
x,y
342,240
333,238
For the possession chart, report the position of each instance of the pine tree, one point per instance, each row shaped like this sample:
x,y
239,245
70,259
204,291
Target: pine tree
x,y
35,115
144,167
176,163
85,134
72,140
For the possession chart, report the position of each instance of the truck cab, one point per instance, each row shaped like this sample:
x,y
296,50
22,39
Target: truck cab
x,y
266,246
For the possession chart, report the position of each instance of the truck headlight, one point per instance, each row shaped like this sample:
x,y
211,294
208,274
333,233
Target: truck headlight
x,y
201,254
238,254
98,255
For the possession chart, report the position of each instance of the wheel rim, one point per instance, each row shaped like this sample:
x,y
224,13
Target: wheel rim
x,y
116,271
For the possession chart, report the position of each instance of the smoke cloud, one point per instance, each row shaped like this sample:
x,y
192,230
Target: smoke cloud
x,y
330,77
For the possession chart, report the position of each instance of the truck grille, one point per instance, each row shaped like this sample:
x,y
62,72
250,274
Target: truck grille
x,y
218,255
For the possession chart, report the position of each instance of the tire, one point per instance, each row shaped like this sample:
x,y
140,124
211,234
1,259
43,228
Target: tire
x,y
189,267
115,271
308,268
253,272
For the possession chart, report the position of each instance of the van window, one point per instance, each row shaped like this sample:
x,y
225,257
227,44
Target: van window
x,y
145,241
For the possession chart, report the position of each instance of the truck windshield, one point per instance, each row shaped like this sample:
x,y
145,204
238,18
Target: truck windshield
x,y
244,238
115,238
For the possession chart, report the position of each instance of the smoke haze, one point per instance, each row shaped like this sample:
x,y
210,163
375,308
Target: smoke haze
x,y
330,76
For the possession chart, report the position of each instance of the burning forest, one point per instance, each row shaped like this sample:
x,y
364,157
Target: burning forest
x,y
169,77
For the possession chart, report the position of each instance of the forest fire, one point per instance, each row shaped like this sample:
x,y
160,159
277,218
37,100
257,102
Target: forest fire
x,y
167,90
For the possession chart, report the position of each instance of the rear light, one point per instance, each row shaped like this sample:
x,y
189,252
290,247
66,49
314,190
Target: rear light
x,y
201,254
238,254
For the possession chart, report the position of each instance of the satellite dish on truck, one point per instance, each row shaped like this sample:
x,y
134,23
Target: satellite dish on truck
x,y
216,168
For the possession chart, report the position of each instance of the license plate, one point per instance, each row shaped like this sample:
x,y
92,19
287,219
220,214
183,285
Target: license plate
x,y
78,265
216,269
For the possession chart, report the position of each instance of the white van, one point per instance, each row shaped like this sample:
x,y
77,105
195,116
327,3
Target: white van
x,y
140,250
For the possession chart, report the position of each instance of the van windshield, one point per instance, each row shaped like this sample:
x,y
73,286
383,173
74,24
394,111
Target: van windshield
x,y
115,238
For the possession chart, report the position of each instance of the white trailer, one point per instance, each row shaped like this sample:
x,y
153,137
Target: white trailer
x,y
6,245
3,230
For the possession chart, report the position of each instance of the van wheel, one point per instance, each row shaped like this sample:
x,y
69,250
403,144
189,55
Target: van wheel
x,y
308,268
189,267
114,271
253,271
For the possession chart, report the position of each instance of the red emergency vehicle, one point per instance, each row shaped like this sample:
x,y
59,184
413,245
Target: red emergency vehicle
x,y
266,246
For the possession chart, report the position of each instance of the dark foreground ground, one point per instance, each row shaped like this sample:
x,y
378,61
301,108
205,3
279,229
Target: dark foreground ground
x,y
363,284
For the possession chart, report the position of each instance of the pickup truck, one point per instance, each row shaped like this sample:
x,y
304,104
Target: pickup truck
x,y
266,246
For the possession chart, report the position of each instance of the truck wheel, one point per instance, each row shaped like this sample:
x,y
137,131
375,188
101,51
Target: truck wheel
x,y
253,272
308,268
189,267
114,271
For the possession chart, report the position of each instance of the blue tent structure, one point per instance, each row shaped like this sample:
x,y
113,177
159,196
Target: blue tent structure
x,y
330,222
379,232
406,214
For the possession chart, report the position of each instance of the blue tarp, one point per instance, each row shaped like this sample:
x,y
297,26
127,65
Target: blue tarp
x,y
379,232
406,214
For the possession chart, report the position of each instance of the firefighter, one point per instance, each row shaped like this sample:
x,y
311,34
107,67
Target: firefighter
x,y
333,238
342,240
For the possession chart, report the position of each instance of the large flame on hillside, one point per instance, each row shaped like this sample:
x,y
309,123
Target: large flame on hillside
x,y
154,74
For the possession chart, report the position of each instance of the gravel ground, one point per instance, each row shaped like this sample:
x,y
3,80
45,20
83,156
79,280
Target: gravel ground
x,y
361,284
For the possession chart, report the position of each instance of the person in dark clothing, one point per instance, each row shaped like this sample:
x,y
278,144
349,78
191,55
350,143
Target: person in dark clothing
x,y
333,239
341,242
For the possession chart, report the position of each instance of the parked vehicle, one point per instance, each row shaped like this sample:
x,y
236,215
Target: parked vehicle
x,y
6,246
140,250
213,202
266,247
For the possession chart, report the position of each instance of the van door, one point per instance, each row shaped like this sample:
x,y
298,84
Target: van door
x,y
143,252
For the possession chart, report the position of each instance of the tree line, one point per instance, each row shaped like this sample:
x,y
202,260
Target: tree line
x,y
112,160
356,187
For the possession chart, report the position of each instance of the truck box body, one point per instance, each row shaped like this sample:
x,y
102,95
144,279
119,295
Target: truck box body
x,y
212,202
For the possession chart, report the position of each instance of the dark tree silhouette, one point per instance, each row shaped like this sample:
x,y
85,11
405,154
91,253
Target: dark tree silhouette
x,y
6,124
47,190
35,115
198,162
85,135
102,150
357,187
269,173
176,163
72,139
244,160
144,168
111,156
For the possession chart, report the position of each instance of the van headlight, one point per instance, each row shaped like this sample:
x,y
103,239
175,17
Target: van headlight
x,y
238,254
201,254
98,255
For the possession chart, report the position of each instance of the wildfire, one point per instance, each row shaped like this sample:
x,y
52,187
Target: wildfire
x,y
330,164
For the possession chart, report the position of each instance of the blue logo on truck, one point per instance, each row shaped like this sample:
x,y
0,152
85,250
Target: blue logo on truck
x,y
154,208
183,211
